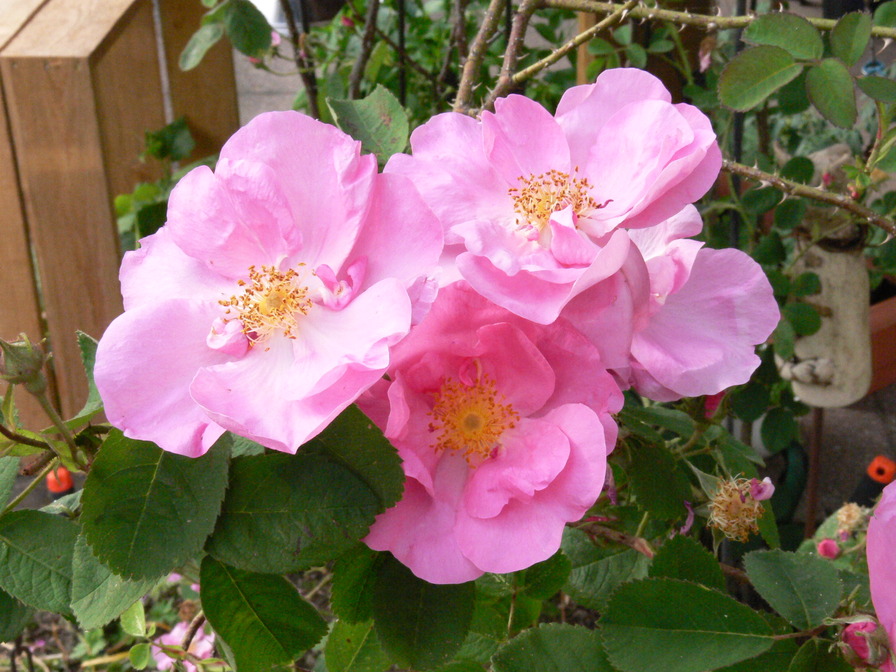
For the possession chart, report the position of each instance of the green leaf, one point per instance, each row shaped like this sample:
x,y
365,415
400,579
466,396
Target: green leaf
x,y
247,28
770,251
146,511
636,54
750,401
885,15
684,558
675,626
378,121
776,658
354,575
420,625
677,422
658,482
831,91
790,32
623,34
768,526
13,617
284,512
553,647
806,284
355,648
36,552
790,214
356,443
784,339
87,345
98,595
880,88
849,38
804,318
542,580
759,201
779,428
804,589
799,169
816,656
9,469
140,655
597,572
755,74
199,44
261,617
173,141
133,620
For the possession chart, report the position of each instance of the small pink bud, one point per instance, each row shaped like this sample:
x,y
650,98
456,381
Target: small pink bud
x,y
711,403
761,490
827,179
275,38
689,521
347,22
828,548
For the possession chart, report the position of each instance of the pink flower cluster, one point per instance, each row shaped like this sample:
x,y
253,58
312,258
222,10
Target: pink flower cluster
x,y
485,300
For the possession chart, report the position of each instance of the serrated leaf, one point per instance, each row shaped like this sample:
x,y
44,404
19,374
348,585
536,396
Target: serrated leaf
x,y
880,88
283,512
146,511
885,15
759,201
849,37
770,251
790,214
354,575
675,626
804,318
378,121
247,28
678,422
776,658
788,31
597,572
799,169
87,345
36,552
684,558
13,617
133,620
542,580
816,656
831,91
420,625
553,647
140,655
784,339
804,589
199,44
98,595
9,469
755,74
355,648
261,617
750,401
806,284
658,482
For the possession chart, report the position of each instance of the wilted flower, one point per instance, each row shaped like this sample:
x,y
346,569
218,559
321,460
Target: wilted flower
x,y
503,427
733,511
270,299
851,517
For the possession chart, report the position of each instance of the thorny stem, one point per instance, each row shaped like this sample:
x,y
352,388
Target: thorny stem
x,y
195,624
505,82
33,484
478,49
689,19
354,85
18,438
574,43
458,38
797,189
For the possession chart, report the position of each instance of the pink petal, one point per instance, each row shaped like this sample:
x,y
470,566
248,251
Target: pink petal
x,y
881,568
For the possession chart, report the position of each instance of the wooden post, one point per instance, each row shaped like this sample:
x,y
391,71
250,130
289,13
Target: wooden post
x,y
19,307
82,84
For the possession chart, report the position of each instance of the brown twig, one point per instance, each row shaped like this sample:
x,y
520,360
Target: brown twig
x,y
515,43
574,43
478,49
367,39
18,438
797,189
458,38
638,543
304,61
195,624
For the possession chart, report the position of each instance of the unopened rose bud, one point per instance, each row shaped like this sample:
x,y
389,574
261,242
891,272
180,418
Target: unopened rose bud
x,y
865,643
22,363
347,22
828,548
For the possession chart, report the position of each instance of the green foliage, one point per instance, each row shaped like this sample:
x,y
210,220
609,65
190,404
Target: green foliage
x,y
831,91
354,575
790,32
261,617
849,38
420,625
9,469
658,482
678,626
378,121
13,616
355,648
136,495
199,44
816,656
684,558
596,572
755,74
553,648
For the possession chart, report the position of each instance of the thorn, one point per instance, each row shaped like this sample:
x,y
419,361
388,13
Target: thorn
x,y
712,25
887,42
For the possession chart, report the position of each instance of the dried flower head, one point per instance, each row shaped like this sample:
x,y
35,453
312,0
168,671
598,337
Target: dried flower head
x,y
851,517
734,511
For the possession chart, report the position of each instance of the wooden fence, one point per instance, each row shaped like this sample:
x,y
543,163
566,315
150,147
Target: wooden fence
x,y
80,83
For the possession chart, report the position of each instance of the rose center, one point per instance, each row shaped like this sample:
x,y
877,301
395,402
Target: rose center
x,y
470,418
271,301
539,196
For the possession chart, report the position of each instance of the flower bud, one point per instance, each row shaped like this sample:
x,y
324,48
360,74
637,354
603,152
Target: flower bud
x,y
828,548
864,643
22,363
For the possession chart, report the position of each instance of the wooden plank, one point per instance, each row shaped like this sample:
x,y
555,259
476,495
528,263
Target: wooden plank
x,y
883,344
19,310
83,85
206,95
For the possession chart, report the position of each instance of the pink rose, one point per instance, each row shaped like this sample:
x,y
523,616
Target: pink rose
x,y
503,427
881,542
270,299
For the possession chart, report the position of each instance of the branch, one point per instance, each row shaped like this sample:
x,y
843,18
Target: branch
x,y
195,624
458,38
574,43
688,19
18,438
638,543
512,53
478,49
354,81
797,189
393,45
303,60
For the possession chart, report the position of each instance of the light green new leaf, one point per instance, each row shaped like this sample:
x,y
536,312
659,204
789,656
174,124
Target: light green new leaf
x,y
199,44
87,345
676,626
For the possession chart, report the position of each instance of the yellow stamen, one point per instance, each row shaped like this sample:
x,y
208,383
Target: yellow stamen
x,y
470,418
271,301
539,196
